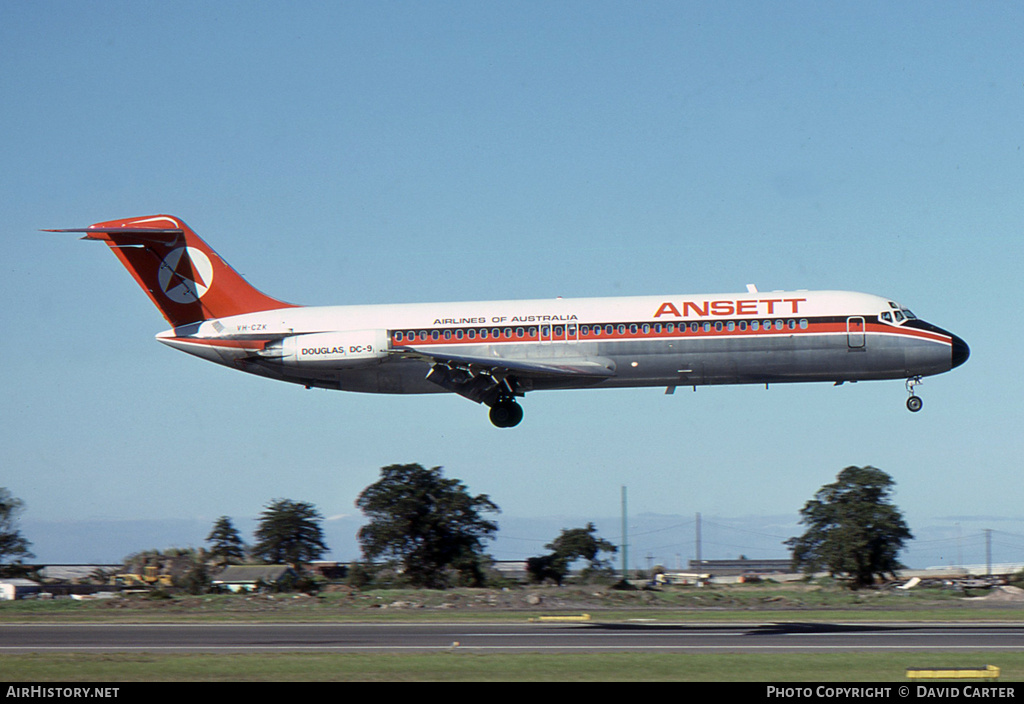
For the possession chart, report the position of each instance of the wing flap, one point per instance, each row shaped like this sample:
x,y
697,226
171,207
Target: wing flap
x,y
582,366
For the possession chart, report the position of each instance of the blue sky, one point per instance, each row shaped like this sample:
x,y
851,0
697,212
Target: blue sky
x,y
349,152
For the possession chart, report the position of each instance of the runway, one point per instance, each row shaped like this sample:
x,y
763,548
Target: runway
x,y
512,637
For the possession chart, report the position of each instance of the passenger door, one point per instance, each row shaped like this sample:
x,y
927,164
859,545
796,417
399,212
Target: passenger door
x,y
855,332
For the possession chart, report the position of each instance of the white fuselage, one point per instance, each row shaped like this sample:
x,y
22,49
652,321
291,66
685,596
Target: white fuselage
x,y
750,337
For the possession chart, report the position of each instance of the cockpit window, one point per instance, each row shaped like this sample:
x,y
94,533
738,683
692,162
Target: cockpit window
x,y
898,315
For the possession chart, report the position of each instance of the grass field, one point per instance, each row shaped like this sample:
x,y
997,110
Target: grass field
x,y
732,602
524,667
762,603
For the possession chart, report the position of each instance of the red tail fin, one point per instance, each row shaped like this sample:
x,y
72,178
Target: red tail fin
x,y
182,275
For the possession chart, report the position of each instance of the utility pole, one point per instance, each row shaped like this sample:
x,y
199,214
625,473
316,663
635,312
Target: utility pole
x,y
988,552
697,546
625,543
959,548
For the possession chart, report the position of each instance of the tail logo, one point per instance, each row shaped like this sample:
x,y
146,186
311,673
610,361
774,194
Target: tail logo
x,y
185,275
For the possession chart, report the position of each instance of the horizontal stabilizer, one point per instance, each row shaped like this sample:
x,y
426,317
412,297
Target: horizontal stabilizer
x,y
137,234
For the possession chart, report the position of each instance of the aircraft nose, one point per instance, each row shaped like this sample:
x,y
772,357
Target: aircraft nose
x,y
960,352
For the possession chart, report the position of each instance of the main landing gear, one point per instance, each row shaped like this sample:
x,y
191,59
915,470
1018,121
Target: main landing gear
x,y
506,413
497,390
914,403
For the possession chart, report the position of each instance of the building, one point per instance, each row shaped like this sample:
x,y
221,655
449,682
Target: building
x,y
727,568
18,588
250,578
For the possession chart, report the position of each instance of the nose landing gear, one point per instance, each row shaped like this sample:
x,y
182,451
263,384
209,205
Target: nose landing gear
x,y
914,403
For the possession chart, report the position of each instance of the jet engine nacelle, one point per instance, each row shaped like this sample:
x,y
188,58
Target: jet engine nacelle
x,y
350,348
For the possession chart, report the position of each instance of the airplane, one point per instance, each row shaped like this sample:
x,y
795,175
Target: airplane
x,y
495,352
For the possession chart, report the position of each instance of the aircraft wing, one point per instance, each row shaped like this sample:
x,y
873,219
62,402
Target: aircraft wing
x,y
547,367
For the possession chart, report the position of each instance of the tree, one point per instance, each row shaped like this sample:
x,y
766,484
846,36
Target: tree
x,y
197,579
289,533
547,568
583,544
430,524
194,577
227,546
12,544
571,545
852,528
